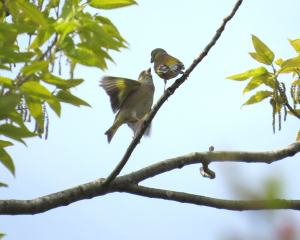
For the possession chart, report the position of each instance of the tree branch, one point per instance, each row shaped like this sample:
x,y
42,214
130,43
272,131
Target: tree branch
x,y
238,205
208,157
128,183
166,95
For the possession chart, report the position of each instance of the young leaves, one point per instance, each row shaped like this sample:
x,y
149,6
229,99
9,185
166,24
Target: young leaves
x,y
261,76
6,160
263,53
110,4
255,82
67,97
258,97
261,71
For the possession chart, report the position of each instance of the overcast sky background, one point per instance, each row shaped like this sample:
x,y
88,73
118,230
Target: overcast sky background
x,y
204,111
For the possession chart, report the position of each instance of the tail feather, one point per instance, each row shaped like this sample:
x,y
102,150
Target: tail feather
x,y
110,133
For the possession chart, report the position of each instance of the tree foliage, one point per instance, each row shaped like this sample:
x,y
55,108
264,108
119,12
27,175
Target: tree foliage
x,y
55,29
278,93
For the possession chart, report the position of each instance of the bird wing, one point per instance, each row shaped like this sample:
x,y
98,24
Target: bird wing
x,y
118,90
172,67
176,66
163,69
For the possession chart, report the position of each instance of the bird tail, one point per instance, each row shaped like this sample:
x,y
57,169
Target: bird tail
x,y
110,133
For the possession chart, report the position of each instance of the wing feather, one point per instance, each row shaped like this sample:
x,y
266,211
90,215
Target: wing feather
x,y
118,90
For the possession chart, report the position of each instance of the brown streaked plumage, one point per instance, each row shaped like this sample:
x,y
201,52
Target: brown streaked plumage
x,y
132,99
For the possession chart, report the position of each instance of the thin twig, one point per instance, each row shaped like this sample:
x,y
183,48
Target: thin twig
x,y
166,95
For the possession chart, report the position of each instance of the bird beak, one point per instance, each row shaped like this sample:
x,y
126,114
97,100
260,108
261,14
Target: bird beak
x,y
148,71
152,60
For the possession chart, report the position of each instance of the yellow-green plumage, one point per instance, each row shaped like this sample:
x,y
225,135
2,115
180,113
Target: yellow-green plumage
x,y
132,99
165,65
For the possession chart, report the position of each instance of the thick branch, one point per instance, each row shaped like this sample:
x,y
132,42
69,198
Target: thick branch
x,y
238,205
127,183
166,95
217,156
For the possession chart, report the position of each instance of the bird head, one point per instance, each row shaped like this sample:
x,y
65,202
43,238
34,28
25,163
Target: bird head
x,y
155,53
145,75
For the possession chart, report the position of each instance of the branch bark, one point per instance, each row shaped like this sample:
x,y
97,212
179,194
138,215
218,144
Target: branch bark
x,y
211,202
129,183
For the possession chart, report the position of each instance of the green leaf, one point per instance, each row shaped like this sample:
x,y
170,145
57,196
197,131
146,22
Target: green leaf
x,y
93,32
69,10
42,36
55,105
32,12
53,4
2,66
59,82
36,110
103,20
7,161
295,44
292,62
258,97
16,133
258,58
15,12
2,234
67,97
279,62
111,4
65,28
7,35
263,51
35,67
269,82
2,185
298,137
112,31
66,44
9,56
288,70
8,103
97,51
5,143
296,82
37,90
84,57
254,83
251,73
13,116
6,82
12,29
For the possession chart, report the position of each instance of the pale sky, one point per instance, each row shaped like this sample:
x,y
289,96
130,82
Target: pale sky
x,y
204,111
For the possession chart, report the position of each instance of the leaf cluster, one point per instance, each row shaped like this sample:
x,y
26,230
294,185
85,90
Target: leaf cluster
x,y
57,29
277,90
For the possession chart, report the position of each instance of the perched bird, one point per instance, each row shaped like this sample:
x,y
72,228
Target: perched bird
x,y
132,99
165,65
